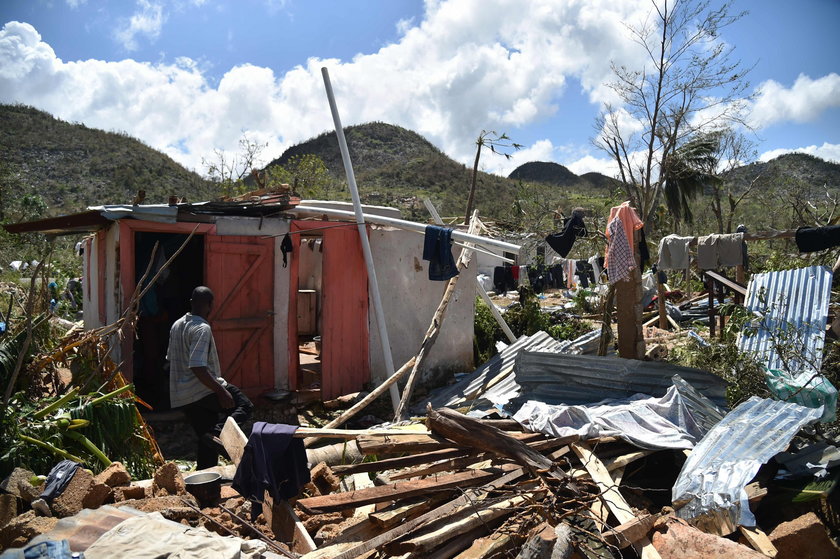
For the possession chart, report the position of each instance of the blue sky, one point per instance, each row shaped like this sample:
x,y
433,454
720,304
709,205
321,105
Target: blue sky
x,y
192,76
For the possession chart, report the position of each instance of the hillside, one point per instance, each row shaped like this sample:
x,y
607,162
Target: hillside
x,y
799,167
395,166
73,166
554,174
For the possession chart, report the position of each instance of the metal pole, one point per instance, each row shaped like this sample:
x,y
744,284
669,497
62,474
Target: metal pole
x,y
360,220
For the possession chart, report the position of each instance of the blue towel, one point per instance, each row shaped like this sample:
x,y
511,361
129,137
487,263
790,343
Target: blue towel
x,y
436,249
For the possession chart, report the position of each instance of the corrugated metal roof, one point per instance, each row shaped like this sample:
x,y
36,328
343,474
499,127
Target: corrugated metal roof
x,y
713,477
586,379
791,307
476,383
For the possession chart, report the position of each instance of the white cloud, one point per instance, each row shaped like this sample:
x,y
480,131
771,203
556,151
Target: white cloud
x,y
464,67
829,152
803,102
591,164
76,3
148,21
542,150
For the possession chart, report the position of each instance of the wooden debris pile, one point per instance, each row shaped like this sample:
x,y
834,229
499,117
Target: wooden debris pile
x,y
470,489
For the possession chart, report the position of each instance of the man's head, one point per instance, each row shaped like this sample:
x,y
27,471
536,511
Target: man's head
x,y
201,301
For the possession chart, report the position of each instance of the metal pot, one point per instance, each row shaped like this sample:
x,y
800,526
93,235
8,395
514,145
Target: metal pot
x,y
206,487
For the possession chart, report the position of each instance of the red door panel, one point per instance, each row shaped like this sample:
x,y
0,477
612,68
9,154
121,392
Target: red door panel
x,y
240,271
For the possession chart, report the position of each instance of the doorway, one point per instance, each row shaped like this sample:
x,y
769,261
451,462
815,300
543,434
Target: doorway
x,y
309,306
165,302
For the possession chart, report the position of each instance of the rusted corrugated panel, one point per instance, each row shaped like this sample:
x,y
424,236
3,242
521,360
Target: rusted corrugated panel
x,y
84,528
713,478
791,308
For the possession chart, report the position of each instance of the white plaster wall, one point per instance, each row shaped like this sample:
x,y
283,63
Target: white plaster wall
x,y
409,301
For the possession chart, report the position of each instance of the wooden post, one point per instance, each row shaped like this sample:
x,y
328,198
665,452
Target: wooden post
x,y
628,303
663,311
721,295
710,287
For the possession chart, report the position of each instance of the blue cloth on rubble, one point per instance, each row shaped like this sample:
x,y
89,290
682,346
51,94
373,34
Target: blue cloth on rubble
x,y
273,461
437,250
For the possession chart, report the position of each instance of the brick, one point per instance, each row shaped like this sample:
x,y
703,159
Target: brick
x,y
168,481
678,540
23,528
129,493
97,495
805,536
71,500
114,475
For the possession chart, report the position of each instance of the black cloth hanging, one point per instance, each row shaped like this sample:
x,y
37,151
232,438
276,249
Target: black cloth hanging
x,y
815,239
644,253
437,250
573,227
286,247
272,461
58,478
503,279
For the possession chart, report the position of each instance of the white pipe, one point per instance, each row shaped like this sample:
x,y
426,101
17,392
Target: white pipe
x,y
494,311
360,220
409,226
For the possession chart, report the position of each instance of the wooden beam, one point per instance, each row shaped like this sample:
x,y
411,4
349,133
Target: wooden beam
x,y
734,286
759,541
610,494
435,514
401,462
286,526
234,440
630,532
393,492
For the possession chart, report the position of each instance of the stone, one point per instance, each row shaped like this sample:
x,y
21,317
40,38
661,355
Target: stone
x,y
10,484
129,493
97,495
23,528
8,509
114,475
29,492
679,540
168,481
71,500
805,536
323,481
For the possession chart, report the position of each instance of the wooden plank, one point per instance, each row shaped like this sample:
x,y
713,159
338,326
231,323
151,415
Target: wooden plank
x,y
440,512
610,494
734,286
286,525
393,492
759,541
387,519
234,440
401,462
304,432
413,442
443,466
630,532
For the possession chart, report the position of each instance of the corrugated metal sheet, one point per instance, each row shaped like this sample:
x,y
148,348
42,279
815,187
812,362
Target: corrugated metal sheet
x,y
791,307
713,478
84,528
496,369
162,213
586,379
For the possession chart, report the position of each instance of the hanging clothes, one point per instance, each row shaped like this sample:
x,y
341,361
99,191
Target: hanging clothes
x,y
570,267
673,252
815,239
720,251
286,247
437,250
573,227
620,257
629,221
597,267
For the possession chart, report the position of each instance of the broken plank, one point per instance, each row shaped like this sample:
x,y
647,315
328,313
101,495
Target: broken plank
x,y
610,495
615,463
471,520
471,433
435,514
373,444
286,525
759,541
304,432
393,492
234,440
401,462
442,466
387,519
630,532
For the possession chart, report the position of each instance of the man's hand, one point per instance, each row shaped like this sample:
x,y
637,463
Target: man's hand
x,y
225,399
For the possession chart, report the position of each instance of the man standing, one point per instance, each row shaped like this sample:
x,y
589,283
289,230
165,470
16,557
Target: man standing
x,y
195,382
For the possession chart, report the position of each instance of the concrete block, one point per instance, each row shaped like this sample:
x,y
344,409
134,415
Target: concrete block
x,y
129,493
71,500
168,481
97,495
679,540
8,509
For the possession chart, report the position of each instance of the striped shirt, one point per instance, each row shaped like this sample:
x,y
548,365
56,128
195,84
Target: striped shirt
x,y
191,344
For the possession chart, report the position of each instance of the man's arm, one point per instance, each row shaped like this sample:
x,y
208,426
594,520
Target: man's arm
x,y
208,380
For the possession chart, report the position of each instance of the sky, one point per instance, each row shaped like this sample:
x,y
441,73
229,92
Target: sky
x,y
188,77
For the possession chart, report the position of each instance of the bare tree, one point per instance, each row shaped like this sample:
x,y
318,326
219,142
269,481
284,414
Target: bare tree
x,y
734,150
230,170
690,82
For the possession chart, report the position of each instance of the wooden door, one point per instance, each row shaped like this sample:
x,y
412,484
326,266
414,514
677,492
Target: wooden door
x,y
240,271
345,357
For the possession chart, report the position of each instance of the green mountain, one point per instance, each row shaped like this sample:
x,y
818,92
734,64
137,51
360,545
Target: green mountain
x,y
72,166
554,174
798,167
